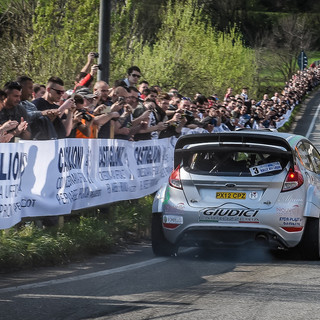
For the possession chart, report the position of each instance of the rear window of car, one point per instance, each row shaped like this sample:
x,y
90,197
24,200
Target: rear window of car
x,y
235,163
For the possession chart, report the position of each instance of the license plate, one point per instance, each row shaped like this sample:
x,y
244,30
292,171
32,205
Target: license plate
x,y
230,195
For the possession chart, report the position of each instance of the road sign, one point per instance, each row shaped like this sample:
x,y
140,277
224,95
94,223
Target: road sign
x,y
302,60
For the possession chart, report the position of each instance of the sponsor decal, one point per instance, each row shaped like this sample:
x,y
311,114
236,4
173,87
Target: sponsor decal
x,y
169,219
177,208
229,215
180,206
294,210
290,221
263,168
253,195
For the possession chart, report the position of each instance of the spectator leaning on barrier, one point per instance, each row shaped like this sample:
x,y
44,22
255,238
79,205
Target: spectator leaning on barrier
x,y
6,128
54,91
82,117
13,111
40,122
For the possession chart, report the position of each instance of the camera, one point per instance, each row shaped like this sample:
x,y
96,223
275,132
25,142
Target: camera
x,y
86,116
121,100
96,55
189,116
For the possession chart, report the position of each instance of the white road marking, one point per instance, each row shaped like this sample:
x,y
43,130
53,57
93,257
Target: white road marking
x,y
129,267
311,127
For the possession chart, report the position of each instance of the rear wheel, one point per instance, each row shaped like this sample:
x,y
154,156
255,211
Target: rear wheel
x,y
309,246
160,245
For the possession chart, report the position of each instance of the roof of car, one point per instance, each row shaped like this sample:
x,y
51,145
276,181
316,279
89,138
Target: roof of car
x,y
272,138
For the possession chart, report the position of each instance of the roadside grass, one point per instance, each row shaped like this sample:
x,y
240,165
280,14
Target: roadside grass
x,y
86,233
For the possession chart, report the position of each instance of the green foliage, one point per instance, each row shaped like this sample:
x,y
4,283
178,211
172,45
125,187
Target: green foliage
x,y
64,33
192,56
15,31
90,233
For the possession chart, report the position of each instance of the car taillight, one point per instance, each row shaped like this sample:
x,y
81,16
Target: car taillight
x,y
174,179
292,229
293,180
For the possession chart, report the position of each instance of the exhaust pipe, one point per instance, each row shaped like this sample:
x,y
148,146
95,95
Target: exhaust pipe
x,y
262,239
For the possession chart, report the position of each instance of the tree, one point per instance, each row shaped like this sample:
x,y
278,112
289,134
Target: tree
x,y
192,56
15,31
64,33
281,49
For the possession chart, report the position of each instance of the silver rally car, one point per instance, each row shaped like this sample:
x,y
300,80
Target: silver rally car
x,y
236,188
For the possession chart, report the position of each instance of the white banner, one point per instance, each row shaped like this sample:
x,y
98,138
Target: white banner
x,y
54,177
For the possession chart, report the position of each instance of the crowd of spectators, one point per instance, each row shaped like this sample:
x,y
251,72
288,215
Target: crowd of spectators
x,y
135,110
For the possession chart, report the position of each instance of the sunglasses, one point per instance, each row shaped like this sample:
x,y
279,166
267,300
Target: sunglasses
x,y
136,75
58,91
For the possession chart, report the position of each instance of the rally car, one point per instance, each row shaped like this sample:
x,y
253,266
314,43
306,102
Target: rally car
x,y
238,188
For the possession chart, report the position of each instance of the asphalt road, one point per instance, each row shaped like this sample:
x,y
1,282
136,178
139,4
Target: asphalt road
x,y
247,283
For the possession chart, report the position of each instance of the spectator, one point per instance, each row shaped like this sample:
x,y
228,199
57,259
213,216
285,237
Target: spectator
x,y
150,94
173,91
228,94
50,100
133,76
244,93
38,91
101,89
175,124
82,119
206,126
40,122
244,117
276,98
12,110
153,126
118,97
84,79
127,126
174,102
8,125
158,88
142,86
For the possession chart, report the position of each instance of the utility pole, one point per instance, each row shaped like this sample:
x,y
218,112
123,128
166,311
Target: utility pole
x,y
104,40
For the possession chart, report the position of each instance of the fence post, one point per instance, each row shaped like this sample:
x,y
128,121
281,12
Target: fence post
x,y
61,221
111,129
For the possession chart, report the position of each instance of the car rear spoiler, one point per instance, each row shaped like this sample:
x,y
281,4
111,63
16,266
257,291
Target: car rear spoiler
x,y
229,137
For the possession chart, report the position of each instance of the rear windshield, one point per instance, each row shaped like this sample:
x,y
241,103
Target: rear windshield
x,y
235,163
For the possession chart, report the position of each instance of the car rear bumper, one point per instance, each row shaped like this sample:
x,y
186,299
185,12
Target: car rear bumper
x,y
223,236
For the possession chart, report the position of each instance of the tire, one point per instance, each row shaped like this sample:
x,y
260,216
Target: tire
x,y
160,245
309,246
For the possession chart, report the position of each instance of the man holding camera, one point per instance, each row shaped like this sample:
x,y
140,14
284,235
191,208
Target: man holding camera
x,y
84,79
